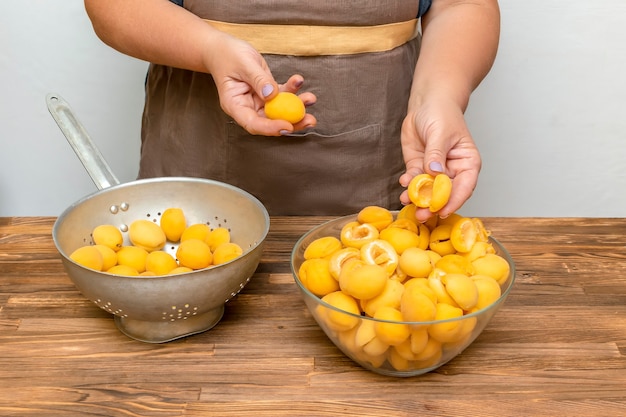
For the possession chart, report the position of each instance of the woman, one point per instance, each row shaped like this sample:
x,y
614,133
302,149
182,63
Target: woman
x,y
380,115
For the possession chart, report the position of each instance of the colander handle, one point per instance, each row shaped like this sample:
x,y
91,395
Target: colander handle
x,y
79,139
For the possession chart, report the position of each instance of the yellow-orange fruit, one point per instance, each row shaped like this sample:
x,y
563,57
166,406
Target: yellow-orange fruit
x,y
194,253
285,106
173,223
147,235
379,217
108,235
89,257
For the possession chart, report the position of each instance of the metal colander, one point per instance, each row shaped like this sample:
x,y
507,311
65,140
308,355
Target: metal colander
x,y
163,308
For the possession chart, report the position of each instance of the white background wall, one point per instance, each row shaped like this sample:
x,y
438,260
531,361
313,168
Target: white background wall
x,y
550,119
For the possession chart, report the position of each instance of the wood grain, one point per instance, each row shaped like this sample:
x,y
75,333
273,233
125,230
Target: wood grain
x,y
557,347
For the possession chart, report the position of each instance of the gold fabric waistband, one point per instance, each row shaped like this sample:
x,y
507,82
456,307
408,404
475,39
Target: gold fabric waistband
x,y
303,40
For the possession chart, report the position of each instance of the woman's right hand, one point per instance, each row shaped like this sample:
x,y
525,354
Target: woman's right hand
x,y
244,83
144,29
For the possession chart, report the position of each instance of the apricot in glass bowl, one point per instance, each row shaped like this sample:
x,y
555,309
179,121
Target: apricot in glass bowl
x,y
413,325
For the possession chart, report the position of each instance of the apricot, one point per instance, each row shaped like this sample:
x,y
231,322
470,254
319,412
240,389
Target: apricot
x,y
316,277
339,258
415,262
399,275
430,353
492,265
462,289
434,256
463,335
178,270
285,106
446,331
420,190
361,280
341,320
440,240
426,191
382,253
123,270
400,239
479,249
435,283
489,291
89,257
403,350
424,234
464,234
108,235
109,256
416,306
422,286
388,330
194,253
160,263
218,236
199,231
455,263
483,233
365,333
355,234
376,348
173,223
147,235
419,341
322,247
132,256
397,361
379,217
226,252
389,297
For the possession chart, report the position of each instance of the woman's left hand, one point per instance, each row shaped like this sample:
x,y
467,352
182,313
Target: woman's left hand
x,y
435,139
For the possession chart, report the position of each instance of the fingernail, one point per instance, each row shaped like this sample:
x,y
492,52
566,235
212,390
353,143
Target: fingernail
x,y
284,132
309,104
267,90
435,167
298,84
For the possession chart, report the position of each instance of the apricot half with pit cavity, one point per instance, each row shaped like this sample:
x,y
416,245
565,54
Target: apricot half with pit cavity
x,y
382,253
355,234
430,192
464,234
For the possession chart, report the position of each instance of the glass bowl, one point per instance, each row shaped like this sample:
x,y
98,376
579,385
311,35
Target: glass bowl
x,y
436,342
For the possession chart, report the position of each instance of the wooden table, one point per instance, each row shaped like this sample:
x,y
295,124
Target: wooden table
x,y
557,347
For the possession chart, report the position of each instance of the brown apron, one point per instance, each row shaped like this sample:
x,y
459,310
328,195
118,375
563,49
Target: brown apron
x,y
350,160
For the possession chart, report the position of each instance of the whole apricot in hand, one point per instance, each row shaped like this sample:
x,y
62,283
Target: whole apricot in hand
x,y
285,106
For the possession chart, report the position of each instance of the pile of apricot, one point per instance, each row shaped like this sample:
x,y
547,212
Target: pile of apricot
x,y
416,280
199,247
